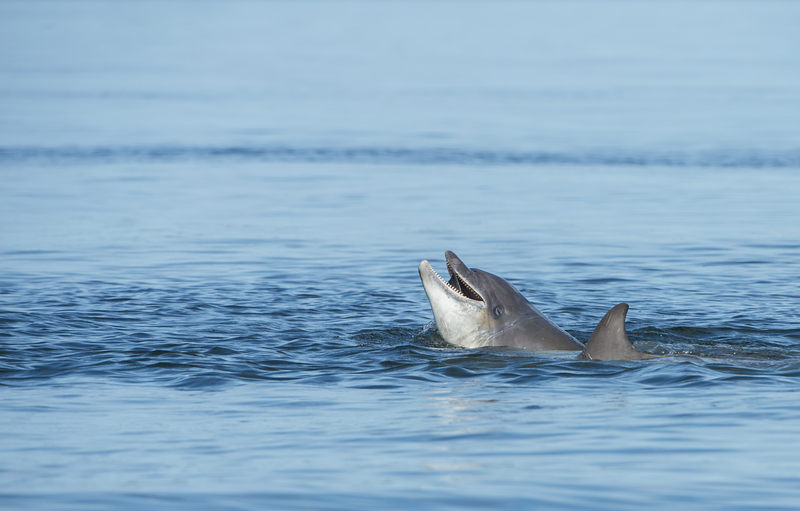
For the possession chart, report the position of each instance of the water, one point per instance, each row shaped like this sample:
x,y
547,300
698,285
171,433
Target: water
x,y
211,216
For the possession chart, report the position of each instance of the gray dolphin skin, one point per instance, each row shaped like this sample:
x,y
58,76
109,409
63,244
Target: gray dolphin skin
x,y
609,341
475,308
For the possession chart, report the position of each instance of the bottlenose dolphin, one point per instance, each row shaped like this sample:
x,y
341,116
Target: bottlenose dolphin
x,y
476,308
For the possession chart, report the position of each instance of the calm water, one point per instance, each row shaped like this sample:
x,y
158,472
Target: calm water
x,y
211,217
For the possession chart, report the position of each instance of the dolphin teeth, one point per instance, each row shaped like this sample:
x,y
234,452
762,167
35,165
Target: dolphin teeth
x,y
470,288
467,291
447,283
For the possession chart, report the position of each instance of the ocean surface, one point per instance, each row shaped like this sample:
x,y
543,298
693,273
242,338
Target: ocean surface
x,y
211,218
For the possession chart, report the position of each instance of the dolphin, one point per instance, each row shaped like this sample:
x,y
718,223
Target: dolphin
x,y
476,308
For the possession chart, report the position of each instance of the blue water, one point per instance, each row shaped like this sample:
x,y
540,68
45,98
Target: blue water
x,y
211,217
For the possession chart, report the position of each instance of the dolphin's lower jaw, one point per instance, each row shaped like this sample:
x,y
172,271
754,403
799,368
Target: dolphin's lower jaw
x,y
458,286
458,318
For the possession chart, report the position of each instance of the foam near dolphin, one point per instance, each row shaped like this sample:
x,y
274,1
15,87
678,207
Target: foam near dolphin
x,y
476,308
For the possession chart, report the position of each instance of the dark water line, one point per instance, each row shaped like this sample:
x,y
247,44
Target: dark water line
x,y
399,155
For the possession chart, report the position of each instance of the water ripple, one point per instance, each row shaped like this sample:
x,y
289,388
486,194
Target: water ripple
x,y
198,360
400,155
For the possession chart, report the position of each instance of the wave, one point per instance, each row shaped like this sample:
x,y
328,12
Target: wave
x,y
399,155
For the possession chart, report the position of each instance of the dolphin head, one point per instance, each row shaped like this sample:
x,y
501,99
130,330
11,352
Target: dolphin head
x,y
475,308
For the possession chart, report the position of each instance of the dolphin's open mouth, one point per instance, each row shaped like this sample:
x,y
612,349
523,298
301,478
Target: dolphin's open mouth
x,y
459,284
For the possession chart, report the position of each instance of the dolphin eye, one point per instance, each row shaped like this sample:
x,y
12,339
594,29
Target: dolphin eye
x,y
497,312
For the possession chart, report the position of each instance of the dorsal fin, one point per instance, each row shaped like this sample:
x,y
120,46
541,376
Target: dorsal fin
x,y
609,340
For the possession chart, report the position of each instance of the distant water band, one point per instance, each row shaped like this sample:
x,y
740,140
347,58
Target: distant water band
x,y
399,155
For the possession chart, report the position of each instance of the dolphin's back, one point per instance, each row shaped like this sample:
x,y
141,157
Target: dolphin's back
x,y
535,332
